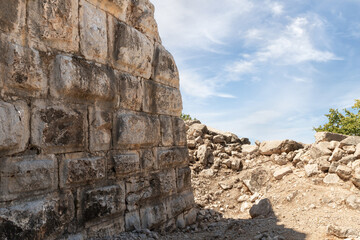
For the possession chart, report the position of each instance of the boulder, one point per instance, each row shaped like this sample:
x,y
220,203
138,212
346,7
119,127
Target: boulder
x,y
203,154
353,201
350,140
311,169
277,147
263,208
344,172
328,137
249,149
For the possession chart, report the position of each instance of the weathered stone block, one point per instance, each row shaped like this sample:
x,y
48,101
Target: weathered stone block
x,y
138,189
93,32
117,8
172,156
166,124
103,202
148,160
57,128
82,79
81,170
37,219
179,129
21,176
100,129
163,183
22,70
180,203
126,163
165,69
12,15
132,221
131,91
134,129
14,127
183,178
54,24
152,216
142,18
130,50
161,99
105,230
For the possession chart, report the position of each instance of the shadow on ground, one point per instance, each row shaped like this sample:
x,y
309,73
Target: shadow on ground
x,y
264,226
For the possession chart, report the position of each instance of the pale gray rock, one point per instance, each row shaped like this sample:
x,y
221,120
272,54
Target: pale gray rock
x,y
311,169
350,140
331,178
353,202
277,147
249,149
281,172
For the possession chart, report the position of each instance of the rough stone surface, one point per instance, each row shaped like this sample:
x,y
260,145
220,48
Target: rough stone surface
x,y
14,129
328,137
263,208
273,147
280,173
91,139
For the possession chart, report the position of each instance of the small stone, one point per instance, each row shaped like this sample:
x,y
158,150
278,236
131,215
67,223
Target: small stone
x,y
281,172
225,186
249,149
331,178
311,169
344,172
243,198
218,139
353,202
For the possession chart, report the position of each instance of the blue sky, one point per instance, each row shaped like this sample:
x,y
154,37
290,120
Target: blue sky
x,y
265,70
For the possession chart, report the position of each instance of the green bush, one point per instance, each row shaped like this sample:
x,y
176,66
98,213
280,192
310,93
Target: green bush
x,y
347,123
186,117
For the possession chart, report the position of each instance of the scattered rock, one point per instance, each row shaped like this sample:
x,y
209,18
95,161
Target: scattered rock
x,y
281,172
262,209
311,169
276,147
328,137
331,178
353,202
249,149
342,232
225,186
344,172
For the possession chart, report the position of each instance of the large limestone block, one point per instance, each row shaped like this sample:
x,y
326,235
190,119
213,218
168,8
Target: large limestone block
x,y
117,8
22,70
125,163
161,99
130,90
179,129
29,175
165,69
183,179
153,215
142,18
172,156
100,122
277,147
164,183
37,219
180,203
93,32
14,127
54,24
12,16
78,78
77,169
104,201
57,128
135,129
104,230
130,50
148,159
167,131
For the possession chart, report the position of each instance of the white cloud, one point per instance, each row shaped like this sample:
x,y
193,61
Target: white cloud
x,y
276,8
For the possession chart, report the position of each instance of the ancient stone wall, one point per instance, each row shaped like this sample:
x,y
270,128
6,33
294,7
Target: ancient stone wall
x,y
91,143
